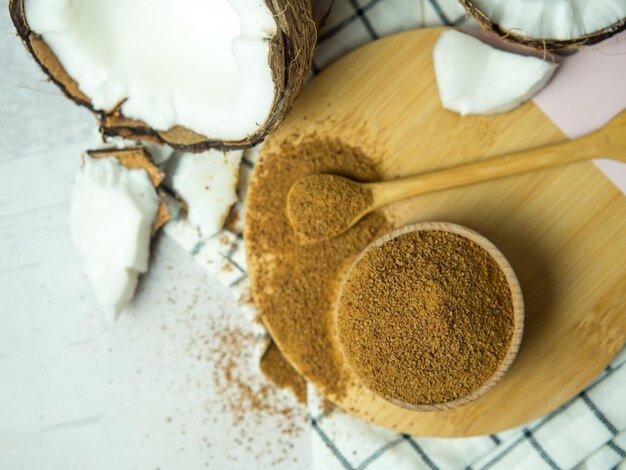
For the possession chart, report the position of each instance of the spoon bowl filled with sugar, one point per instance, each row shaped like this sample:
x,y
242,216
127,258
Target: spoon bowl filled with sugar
x,y
430,316
322,206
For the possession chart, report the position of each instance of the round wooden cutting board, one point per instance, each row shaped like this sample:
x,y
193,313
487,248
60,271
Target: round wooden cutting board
x,y
563,230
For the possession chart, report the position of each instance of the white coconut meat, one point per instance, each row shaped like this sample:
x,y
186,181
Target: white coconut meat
x,y
200,64
111,216
207,183
475,78
553,19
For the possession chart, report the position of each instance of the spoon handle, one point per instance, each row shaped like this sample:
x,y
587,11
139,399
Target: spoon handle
x,y
605,143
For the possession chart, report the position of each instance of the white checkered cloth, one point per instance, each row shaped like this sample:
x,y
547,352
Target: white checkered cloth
x,y
589,432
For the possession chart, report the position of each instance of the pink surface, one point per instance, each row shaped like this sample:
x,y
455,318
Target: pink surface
x,y
587,91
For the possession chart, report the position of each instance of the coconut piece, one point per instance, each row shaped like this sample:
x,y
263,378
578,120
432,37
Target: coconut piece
x,y
114,207
207,184
550,24
190,73
132,158
141,157
475,78
145,155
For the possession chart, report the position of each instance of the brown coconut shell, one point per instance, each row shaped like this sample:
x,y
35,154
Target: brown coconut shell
x,y
542,44
139,158
291,58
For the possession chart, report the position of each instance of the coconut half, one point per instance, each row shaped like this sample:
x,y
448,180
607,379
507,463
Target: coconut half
x,y
475,78
190,73
550,24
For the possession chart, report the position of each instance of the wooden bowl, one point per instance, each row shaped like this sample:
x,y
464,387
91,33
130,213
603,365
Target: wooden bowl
x,y
516,296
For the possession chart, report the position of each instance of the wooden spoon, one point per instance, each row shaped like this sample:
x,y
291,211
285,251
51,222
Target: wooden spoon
x,y
323,206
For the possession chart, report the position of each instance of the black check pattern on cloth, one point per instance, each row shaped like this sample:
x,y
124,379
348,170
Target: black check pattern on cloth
x,y
589,432
353,23
503,449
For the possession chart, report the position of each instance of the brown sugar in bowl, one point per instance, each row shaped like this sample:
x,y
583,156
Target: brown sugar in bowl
x,y
430,316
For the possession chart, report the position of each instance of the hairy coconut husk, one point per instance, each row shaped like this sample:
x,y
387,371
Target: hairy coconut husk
x,y
291,58
139,158
542,44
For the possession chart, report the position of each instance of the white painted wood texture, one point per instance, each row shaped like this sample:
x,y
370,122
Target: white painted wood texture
x,y
77,392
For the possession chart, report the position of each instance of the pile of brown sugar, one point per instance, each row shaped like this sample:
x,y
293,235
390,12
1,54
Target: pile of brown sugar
x,y
321,206
277,369
295,285
426,317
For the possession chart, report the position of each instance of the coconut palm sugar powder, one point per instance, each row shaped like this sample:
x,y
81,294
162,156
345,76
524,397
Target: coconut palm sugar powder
x,y
426,317
295,285
322,206
280,372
